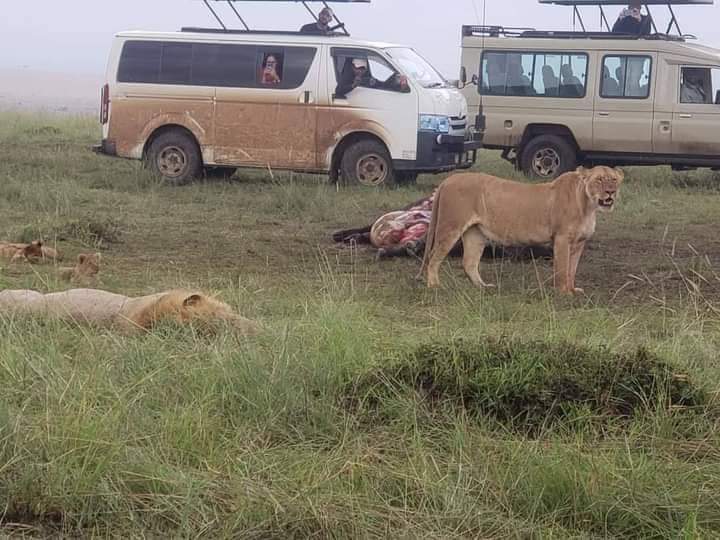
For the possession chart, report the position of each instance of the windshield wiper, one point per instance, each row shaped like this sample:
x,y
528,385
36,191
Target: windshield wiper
x,y
436,85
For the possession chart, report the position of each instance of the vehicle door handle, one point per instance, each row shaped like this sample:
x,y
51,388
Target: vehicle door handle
x,y
603,114
685,115
307,97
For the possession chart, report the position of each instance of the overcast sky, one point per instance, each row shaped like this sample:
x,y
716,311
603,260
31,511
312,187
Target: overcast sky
x,y
73,36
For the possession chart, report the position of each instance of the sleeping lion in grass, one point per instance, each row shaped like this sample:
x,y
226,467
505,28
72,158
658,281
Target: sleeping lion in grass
x,y
482,209
106,309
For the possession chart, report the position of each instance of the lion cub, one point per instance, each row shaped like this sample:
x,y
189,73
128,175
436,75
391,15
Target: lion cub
x,y
128,314
86,268
21,252
483,209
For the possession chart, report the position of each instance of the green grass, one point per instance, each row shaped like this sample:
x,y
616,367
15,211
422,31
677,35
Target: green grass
x,y
176,434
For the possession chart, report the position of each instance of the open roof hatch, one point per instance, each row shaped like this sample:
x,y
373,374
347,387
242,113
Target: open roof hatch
x,y
576,4
231,4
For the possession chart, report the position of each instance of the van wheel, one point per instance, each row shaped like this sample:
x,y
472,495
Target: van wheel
x,y
367,163
548,156
175,156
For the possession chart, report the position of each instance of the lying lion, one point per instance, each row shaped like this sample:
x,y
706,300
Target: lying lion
x,y
21,252
106,309
483,209
32,252
86,268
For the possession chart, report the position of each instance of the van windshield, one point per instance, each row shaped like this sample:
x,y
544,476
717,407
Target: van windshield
x,y
416,67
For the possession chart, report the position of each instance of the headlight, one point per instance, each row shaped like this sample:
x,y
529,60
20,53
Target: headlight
x,y
431,122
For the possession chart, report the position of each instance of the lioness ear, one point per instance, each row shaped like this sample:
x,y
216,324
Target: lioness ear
x,y
620,174
81,258
583,172
192,300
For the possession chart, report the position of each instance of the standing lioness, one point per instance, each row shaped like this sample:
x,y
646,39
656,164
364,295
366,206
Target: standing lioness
x,y
483,209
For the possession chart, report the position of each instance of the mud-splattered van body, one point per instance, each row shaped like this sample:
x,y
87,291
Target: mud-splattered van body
x,y
269,100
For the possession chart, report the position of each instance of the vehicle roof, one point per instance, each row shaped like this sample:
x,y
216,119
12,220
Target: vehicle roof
x,y
685,48
275,37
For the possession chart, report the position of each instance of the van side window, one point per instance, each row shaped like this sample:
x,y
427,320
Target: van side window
x,y
544,74
626,77
271,68
210,64
229,66
176,63
697,85
285,67
140,62
378,73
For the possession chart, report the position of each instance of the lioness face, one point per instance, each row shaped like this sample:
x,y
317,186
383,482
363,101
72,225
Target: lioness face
x,y
602,185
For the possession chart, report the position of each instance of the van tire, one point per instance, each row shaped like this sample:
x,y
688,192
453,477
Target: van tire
x,y
546,157
367,163
175,157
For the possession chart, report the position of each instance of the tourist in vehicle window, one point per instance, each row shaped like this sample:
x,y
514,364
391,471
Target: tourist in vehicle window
x,y
271,74
372,72
693,87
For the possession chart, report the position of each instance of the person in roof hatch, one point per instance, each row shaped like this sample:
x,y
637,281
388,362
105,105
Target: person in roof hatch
x,y
321,26
632,21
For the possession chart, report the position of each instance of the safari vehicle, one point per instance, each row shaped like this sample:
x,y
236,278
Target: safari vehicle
x,y
553,100
218,99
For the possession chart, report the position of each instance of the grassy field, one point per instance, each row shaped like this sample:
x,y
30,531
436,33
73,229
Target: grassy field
x,y
175,434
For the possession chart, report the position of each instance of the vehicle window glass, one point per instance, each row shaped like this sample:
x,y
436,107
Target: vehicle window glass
x,y
416,67
298,61
224,65
207,64
699,85
140,62
626,77
380,69
176,63
271,68
380,74
542,74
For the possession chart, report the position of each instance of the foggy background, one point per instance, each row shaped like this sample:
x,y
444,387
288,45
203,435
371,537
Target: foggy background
x,y
72,37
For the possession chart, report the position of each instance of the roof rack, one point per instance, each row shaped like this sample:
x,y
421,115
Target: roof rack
x,y
577,17
224,29
498,31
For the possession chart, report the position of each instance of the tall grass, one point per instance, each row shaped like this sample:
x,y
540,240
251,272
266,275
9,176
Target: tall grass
x,y
176,434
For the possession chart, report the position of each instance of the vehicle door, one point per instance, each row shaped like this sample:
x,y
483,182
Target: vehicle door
x,y
265,109
696,112
623,109
380,108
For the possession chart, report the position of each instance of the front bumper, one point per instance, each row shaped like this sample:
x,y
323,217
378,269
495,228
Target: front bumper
x,y
439,152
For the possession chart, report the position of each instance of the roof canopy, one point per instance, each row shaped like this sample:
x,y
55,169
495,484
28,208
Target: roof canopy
x,y
300,1
575,4
231,3
625,2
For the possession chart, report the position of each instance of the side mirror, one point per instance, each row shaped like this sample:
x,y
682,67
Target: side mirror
x,y
717,98
463,75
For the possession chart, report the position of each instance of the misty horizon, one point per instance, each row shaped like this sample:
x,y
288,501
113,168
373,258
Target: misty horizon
x,y
51,39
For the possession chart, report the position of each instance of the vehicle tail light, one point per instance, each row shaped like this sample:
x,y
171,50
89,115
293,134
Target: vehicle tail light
x,y
104,104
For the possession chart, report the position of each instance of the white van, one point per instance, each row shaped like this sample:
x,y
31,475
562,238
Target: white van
x,y
202,99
